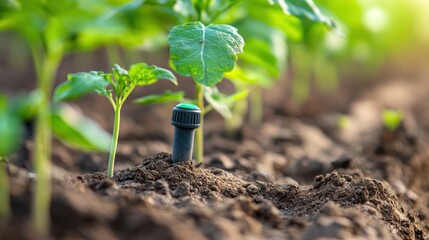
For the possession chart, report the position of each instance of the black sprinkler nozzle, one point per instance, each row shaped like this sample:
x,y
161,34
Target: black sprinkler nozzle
x,y
185,118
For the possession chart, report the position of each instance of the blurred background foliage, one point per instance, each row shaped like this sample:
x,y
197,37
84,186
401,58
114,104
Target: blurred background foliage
x,y
374,32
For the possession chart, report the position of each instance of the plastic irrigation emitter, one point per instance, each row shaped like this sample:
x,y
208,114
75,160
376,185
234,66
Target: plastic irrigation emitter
x,y
185,118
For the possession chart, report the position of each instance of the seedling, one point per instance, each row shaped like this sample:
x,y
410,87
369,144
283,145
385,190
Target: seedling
x,y
52,29
69,126
116,87
392,119
186,118
204,53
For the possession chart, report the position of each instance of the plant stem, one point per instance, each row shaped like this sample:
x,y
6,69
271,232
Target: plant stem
x,y
4,195
199,8
256,107
46,67
115,136
199,135
42,167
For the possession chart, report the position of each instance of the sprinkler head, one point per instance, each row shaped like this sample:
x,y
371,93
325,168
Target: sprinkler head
x,y
185,118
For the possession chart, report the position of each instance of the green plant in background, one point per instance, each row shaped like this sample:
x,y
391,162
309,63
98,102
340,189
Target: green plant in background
x,y
70,126
392,119
374,33
11,133
265,55
52,29
263,61
116,87
11,129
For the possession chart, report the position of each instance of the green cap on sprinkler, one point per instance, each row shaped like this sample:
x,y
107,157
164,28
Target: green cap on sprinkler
x,y
186,118
188,106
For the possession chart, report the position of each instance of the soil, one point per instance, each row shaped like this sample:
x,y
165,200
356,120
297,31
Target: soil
x,y
296,176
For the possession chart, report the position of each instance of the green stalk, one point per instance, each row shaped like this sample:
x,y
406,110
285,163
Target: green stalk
x,y
199,8
42,167
115,136
46,67
199,135
4,194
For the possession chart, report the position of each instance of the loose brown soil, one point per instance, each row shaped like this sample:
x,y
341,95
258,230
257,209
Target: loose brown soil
x,y
296,176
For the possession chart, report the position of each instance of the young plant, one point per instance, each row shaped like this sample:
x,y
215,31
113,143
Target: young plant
x,y
392,119
79,132
52,29
116,87
204,53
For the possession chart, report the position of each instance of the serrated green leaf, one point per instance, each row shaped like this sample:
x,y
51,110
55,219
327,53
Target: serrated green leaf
x,y
119,72
304,9
142,74
205,53
120,81
167,96
11,132
74,129
79,84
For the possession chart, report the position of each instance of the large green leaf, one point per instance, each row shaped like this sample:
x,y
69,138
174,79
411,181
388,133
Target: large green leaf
x,y
167,96
79,84
204,52
78,131
142,74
